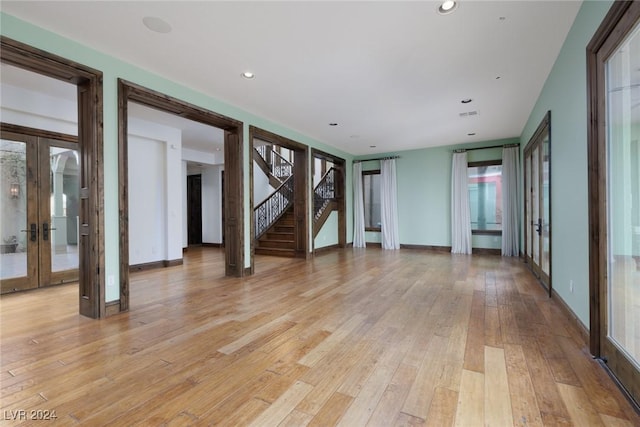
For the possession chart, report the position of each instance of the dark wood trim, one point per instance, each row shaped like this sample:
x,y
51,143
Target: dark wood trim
x,y
90,143
172,262
364,173
486,251
39,133
426,247
112,308
301,207
128,91
319,251
341,190
536,138
596,177
482,163
155,264
572,317
486,232
617,24
212,245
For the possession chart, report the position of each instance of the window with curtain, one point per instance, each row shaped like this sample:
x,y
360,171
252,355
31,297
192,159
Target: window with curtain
x,y
485,196
371,194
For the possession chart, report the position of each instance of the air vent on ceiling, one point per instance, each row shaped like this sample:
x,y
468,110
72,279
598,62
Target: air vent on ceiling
x,y
469,113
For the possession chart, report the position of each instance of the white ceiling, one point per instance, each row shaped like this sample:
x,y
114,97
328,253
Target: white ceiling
x,y
390,73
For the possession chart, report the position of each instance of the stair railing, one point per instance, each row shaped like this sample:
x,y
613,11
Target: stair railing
x,y
279,167
273,207
324,193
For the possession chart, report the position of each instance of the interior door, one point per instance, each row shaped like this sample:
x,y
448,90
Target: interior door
x,y
39,222
537,165
614,179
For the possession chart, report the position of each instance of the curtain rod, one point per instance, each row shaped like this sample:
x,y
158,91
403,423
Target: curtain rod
x,y
377,158
462,150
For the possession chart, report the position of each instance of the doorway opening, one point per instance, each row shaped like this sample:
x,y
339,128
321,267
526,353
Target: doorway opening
x,y
231,130
282,209
89,237
329,202
537,200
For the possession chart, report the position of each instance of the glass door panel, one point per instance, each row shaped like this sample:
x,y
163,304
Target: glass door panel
x,y
545,212
38,212
537,163
18,227
623,194
535,201
59,210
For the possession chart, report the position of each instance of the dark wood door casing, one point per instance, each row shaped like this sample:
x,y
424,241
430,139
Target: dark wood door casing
x,y
90,145
233,190
617,24
300,185
340,191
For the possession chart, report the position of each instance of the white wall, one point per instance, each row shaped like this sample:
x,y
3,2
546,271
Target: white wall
x,y
261,187
155,192
36,110
212,204
147,201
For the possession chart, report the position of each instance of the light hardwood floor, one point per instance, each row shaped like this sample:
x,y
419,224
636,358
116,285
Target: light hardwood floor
x,y
351,337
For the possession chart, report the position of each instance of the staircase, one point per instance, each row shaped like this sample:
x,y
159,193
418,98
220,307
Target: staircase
x,y
274,223
279,239
324,200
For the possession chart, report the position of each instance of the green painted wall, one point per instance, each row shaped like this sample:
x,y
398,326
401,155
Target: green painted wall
x,y
565,94
113,69
424,193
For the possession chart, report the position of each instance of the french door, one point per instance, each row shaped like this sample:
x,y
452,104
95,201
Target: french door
x,y
614,187
39,206
537,177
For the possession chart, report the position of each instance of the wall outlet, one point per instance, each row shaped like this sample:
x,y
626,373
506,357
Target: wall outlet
x,y
571,285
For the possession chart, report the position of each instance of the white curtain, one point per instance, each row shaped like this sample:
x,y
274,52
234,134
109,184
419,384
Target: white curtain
x,y
460,213
358,207
510,210
389,202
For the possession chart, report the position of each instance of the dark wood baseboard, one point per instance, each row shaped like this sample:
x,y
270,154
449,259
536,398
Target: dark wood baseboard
x,y
212,245
571,316
185,249
156,264
323,249
112,308
427,247
487,251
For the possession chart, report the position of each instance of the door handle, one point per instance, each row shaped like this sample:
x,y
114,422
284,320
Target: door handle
x,y
45,230
539,226
33,232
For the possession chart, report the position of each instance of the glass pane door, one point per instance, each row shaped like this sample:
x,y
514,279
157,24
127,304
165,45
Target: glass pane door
x,y
545,211
623,194
537,163
16,217
59,196
39,212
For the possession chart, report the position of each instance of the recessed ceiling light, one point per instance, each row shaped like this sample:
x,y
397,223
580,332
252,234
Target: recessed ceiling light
x,y
497,77
471,134
447,6
333,124
466,101
157,25
372,146
248,75
354,136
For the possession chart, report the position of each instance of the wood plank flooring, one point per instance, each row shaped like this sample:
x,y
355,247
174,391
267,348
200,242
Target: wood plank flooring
x,y
352,338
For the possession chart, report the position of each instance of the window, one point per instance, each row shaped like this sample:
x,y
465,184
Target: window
x,y
371,193
485,196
